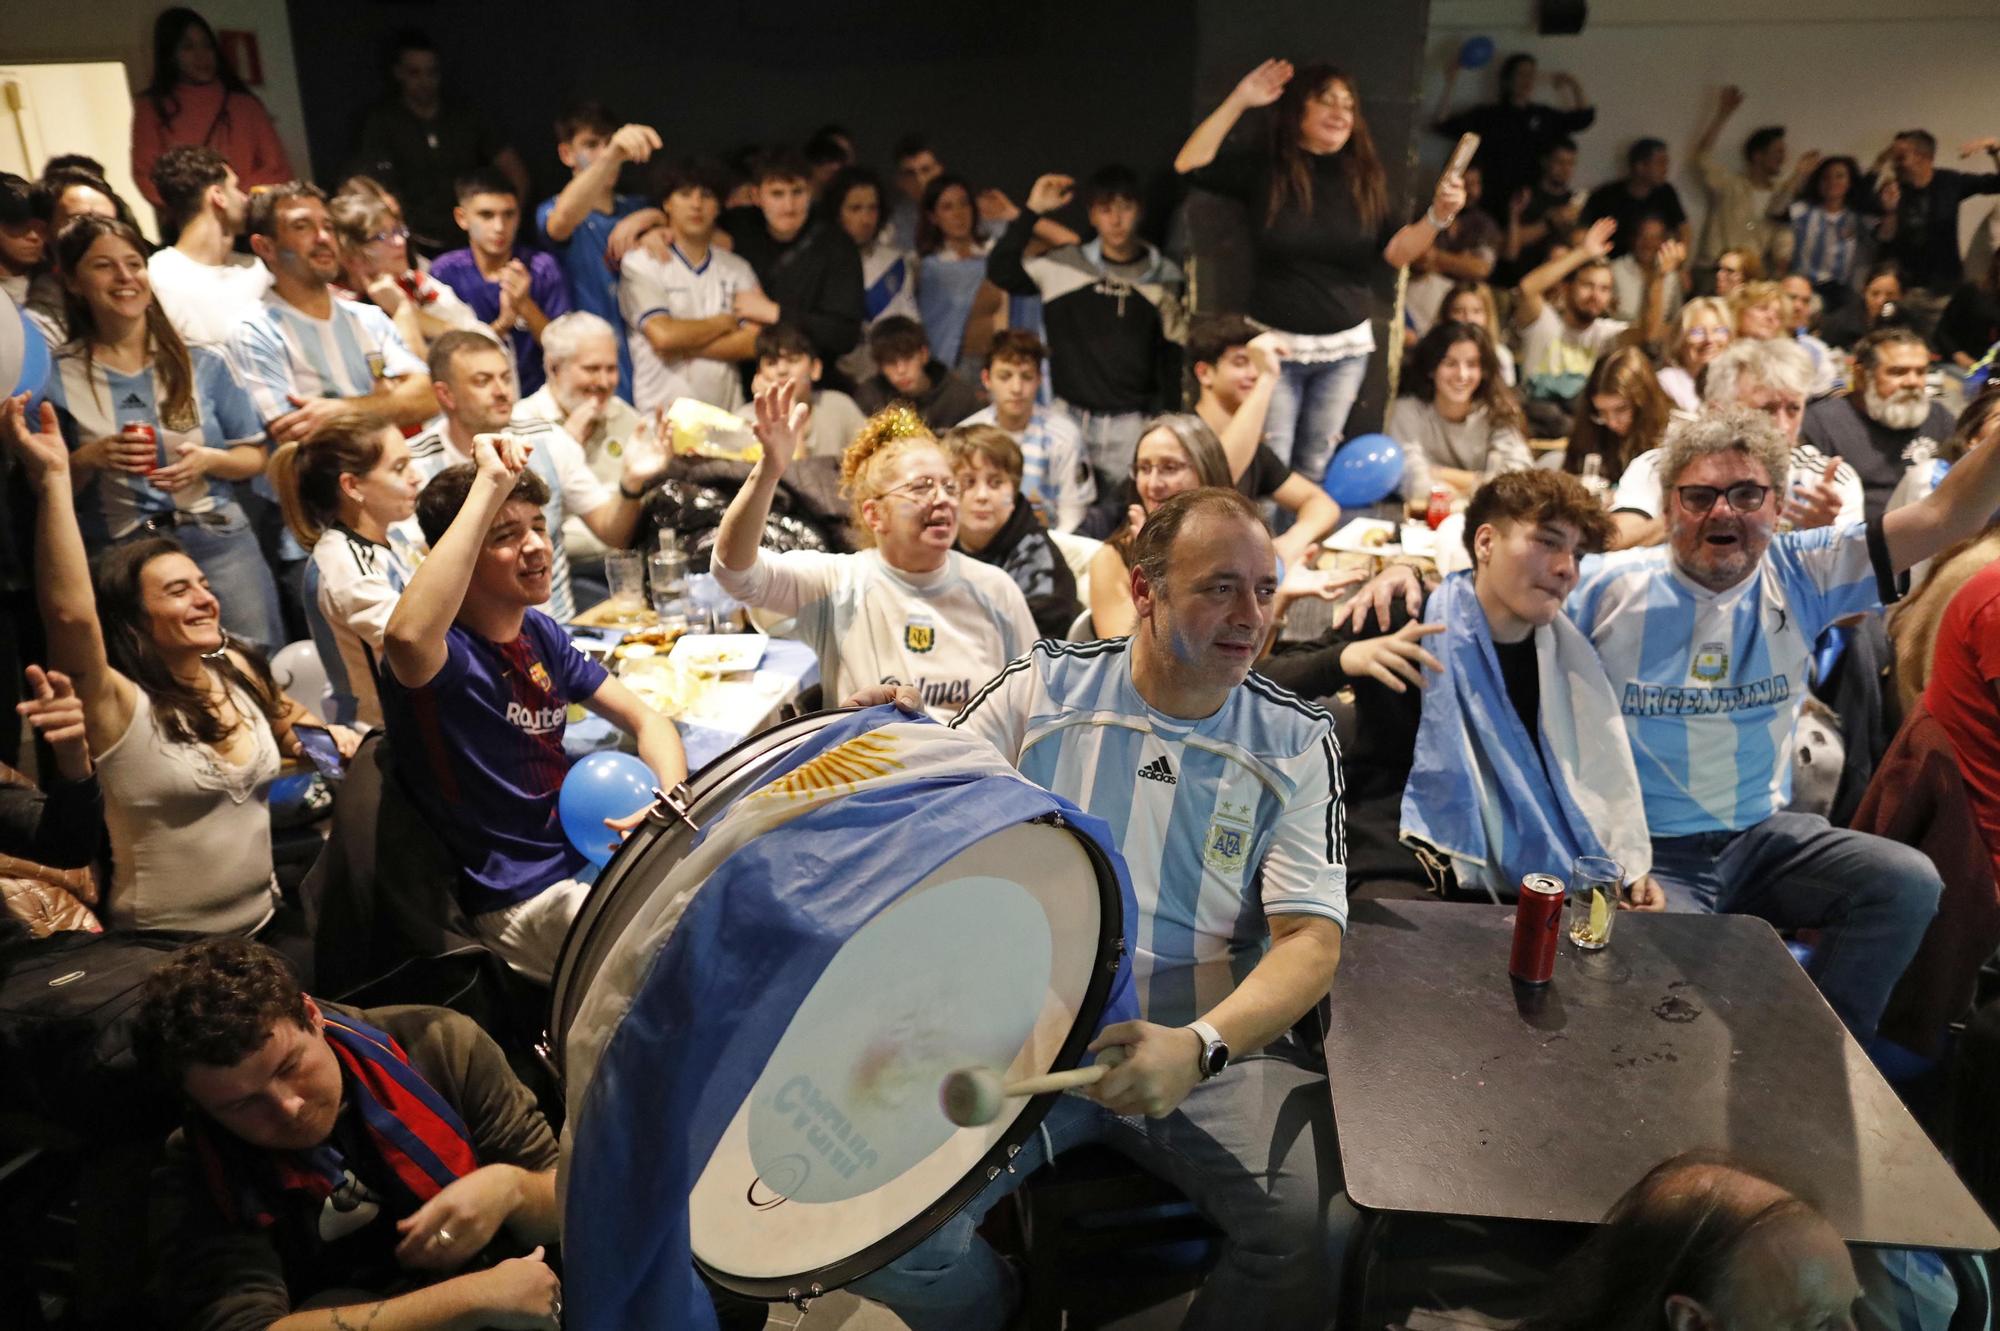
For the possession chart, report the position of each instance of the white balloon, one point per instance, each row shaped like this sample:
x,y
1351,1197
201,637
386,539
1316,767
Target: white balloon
x,y
301,674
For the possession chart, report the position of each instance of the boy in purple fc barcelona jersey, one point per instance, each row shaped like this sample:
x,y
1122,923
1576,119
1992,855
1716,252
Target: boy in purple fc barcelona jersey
x,y
476,693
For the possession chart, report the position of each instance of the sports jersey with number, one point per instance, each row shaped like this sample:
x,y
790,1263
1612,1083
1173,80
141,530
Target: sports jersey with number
x,y
650,287
351,588
559,460
944,633
1223,822
1711,683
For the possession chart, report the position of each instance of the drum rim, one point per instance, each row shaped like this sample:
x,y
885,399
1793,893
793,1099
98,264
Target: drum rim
x,y
1096,996
701,790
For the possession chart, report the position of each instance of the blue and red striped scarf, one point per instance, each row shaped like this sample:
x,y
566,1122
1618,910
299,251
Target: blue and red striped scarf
x,y
414,1132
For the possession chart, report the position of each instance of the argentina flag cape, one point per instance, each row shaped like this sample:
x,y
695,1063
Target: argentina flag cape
x,y
1478,790
675,1030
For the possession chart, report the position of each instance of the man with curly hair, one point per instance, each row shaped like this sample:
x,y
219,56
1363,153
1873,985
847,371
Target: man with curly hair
x,y
338,1167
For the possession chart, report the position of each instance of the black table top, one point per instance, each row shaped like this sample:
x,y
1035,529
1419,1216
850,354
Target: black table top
x,y
1456,1095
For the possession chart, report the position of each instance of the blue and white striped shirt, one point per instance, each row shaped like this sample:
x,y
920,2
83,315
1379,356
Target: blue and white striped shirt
x,y
1223,821
1711,683
1823,244
286,351
1055,471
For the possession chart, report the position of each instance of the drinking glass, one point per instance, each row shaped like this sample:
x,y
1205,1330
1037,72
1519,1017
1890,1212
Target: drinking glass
x,y
1593,893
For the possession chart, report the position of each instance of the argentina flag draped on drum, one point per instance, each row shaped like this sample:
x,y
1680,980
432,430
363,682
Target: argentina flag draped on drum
x,y
754,1062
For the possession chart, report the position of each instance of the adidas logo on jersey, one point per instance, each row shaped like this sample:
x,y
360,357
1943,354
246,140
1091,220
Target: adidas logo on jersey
x,y
1160,770
131,400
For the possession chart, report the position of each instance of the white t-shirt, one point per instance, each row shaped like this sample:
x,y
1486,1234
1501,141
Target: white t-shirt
x,y
1223,822
648,287
572,487
944,633
1556,358
1639,487
352,585
206,303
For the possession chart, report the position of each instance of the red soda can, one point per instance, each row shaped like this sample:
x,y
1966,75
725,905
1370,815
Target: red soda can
x,y
1440,508
152,438
1537,929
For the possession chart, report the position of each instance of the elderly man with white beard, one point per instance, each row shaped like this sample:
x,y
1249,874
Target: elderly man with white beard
x,y
1875,427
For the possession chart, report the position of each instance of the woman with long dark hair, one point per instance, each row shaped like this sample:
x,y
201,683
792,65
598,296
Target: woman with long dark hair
x,y
184,721
1319,213
1826,231
855,201
958,304
195,97
1457,422
1622,413
160,433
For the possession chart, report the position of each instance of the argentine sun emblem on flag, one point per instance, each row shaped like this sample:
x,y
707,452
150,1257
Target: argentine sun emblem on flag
x,y
1711,663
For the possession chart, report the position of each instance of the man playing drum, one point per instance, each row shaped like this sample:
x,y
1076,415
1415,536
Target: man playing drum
x,y
1223,791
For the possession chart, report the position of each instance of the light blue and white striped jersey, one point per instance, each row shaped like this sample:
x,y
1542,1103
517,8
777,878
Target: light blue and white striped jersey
x,y
559,461
1824,245
1055,474
351,588
286,351
1222,821
1711,683
93,401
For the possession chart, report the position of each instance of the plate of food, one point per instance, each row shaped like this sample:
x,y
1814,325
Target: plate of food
x,y
1365,536
719,653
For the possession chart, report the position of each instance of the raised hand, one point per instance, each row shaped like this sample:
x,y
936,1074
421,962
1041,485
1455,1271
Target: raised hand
x,y
1597,241
1990,146
1393,659
1815,502
42,451
1448,199
1268,350
1051,192
1262,85
645,453
1730,100
995,206
1671,256
1891,194
56,713
500,457
1808,159
780,424
635,143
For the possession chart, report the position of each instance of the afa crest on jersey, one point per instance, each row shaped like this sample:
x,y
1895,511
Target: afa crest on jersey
x,y
919,635
1226,848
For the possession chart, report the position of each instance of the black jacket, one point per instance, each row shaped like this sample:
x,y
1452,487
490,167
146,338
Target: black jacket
x,y
944,404
815,277
61,829
1023,550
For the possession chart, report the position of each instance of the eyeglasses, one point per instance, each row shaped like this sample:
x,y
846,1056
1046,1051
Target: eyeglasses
x,y
1169,470
1707,334
1743,497
393,236
925,488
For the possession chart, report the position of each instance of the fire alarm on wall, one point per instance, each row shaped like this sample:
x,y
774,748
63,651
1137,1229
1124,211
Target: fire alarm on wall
x,y
239,48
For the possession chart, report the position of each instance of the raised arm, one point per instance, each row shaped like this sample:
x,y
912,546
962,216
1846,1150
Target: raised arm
x,y
1651,329
631,143
1442,114
1260,87
63,591
1420,235
415,639
1006,264
1957,509
1596,244
644,461
779,423
1726,103
1245,432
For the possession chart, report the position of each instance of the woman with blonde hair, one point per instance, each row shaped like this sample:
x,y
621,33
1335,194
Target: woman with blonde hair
x,y
1704,330
1757,310
910,609
350,496
1473,303
376,267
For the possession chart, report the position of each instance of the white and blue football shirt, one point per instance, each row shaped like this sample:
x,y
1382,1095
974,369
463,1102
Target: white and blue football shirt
x,y
1222,821
285,351
1055,473
1711,683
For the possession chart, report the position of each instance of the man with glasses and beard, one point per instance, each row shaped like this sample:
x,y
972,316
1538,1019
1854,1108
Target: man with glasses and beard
x,y
1875,427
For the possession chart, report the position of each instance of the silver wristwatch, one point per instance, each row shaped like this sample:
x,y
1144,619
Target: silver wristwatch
x,y
1214,1053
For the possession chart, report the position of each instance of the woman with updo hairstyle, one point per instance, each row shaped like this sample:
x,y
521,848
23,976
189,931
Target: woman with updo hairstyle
x,y
350,497
909,609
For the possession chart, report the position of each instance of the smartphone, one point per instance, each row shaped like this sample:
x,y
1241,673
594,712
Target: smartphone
x,y
318,746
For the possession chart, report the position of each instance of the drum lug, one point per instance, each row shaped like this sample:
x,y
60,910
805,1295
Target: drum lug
x,y
803,1302
992,1172
677,801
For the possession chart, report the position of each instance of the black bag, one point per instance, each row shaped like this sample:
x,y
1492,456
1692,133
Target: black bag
x,y
68,1005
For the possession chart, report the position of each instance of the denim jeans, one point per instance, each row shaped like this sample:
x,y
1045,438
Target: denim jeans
x,y
1109,438
1253,1148
1309,408
232,561
1870,898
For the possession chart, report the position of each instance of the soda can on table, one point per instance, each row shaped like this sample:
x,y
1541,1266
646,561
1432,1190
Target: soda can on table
x,y
1537,929
1440,508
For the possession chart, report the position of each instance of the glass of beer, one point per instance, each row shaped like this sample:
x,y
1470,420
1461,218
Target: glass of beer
x,y
1594,883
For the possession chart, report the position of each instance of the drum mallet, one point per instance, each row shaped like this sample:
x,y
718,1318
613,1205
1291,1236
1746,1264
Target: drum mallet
x,y
971,1097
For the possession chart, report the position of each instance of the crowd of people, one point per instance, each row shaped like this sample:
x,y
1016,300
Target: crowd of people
x,y
407,417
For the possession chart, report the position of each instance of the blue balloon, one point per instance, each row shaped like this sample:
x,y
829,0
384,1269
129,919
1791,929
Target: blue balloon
x,y
1367,469
34,360
1475,53
603,785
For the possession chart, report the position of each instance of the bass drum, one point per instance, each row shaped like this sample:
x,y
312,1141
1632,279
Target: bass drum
x,y
839,1159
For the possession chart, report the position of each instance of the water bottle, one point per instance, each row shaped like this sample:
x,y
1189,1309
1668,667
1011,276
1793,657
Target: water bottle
x,y
669,581
1593,476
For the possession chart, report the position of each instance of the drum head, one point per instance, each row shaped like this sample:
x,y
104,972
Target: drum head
x,y
840,1158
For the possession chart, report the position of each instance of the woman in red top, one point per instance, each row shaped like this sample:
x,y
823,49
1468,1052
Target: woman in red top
x,y
196,97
